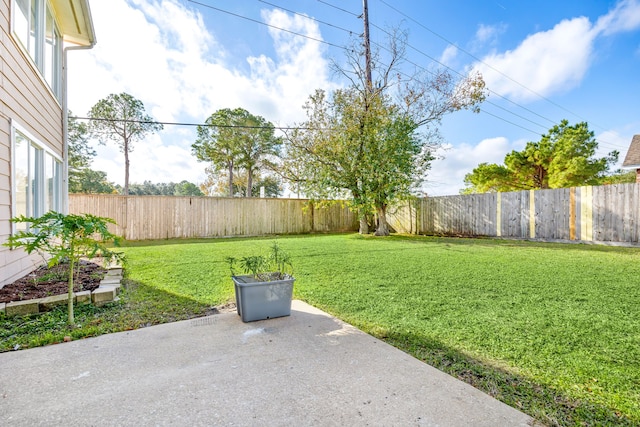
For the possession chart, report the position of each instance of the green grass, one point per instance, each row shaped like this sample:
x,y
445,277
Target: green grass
x,y
139,306
553,330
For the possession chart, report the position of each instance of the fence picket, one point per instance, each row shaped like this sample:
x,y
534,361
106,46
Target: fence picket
x,y
605,214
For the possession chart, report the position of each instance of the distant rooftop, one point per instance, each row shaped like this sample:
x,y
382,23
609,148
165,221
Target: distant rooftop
x,y
632,160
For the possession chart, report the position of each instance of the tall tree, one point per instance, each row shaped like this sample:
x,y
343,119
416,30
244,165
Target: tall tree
x,y
257,146
148,188
236,139
362,142
121,118
80,152
186,188
215,184
564,157
93,182
82,179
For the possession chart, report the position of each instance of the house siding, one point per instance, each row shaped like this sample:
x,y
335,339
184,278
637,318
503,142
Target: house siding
x,y
26,99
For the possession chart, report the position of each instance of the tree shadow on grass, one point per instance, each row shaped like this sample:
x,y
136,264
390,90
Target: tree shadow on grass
x,y
488,241
138,306
547,405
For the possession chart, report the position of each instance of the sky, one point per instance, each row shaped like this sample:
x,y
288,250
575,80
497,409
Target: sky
x,y
542,62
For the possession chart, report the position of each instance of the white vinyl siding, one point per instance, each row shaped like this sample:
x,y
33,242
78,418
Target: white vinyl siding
x,y
30,106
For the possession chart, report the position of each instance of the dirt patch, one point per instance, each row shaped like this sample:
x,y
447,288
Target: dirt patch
x,y
224,308
47,281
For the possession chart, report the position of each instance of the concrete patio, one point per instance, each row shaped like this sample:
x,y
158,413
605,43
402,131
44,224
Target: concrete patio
x,y
306,369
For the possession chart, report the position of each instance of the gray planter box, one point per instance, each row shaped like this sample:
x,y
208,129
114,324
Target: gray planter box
x,y
256,300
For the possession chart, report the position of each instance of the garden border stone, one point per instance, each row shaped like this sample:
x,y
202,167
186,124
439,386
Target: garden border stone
x,y
107,292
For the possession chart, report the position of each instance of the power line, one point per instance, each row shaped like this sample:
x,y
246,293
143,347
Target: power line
x,y
412,47
265,24
154,122
350,32
357,15
308,17
462,75
490,91
486,64
486,101
512,123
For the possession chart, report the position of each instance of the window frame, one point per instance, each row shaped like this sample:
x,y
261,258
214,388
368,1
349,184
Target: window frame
x,y
39,193
38,53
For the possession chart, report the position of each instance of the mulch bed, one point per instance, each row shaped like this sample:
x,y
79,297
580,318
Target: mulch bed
x,y
47,281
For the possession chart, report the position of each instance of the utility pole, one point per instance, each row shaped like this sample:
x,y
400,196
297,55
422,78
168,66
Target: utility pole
x,y
368,91
367,45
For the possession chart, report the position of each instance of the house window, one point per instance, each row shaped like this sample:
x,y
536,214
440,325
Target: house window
x,y
52,54
21,9
35,27
37,178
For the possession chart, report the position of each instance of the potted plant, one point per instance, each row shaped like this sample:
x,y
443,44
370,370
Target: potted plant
x,y
266,288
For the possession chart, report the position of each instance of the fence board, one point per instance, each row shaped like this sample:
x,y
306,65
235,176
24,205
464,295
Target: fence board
x,y
160,217
602,214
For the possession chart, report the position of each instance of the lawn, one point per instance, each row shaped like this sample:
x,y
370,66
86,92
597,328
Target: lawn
x,y
551,329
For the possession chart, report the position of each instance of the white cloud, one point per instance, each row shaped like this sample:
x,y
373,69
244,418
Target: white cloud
x,y
446,176
624,17
544,63
449,54
151,160
162,53
610,140
488,34
556,60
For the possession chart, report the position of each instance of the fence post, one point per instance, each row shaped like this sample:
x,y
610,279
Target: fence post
x,y
498,214
586,213
572,213
532,214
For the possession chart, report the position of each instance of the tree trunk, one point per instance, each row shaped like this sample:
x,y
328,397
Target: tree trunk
x,y
230,179
126,168
364,225
383,226
249,182
70,319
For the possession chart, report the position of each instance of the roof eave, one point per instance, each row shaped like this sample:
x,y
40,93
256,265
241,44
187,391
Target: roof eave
x,y
76,24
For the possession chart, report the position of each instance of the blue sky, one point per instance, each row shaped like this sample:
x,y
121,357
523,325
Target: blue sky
x,y
543,61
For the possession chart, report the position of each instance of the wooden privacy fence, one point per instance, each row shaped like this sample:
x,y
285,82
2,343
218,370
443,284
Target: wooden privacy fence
x,y
167,217
609,213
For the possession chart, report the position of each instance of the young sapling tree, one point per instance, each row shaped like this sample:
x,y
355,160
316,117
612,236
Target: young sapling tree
x,y
66,238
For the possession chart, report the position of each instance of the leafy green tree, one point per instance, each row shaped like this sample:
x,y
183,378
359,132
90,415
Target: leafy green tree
x,y
148,188
89,181
82,179
186,188
80,152
619,177
121,118
65,238
564,157
272,186
362,142
215,184
236,139
374,159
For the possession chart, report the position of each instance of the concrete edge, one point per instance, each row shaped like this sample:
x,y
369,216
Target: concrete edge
x,y
107,292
